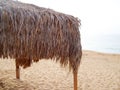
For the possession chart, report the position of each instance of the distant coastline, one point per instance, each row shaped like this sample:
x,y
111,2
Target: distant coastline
x,y
102,52
103,43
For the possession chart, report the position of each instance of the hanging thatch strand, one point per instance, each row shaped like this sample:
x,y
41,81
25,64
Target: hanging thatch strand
x,y
29,33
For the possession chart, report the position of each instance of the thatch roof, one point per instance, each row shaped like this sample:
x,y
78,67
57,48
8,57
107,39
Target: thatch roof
x,y
29,33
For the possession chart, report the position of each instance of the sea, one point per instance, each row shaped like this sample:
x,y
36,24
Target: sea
x,y
102,43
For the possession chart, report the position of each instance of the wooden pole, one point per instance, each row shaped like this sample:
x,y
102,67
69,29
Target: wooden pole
x,y
75,80
17,69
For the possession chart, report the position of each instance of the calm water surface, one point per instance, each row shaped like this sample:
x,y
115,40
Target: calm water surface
x,y
103,43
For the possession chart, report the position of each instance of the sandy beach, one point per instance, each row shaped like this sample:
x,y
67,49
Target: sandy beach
x,y
98,71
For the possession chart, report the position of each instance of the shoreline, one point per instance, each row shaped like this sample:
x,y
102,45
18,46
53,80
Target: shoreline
x,y
100,52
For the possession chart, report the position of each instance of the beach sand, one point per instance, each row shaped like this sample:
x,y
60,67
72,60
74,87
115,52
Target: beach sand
x,y
98,71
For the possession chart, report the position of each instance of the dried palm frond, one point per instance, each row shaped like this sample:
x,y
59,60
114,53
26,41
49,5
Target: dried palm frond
x,y
29,33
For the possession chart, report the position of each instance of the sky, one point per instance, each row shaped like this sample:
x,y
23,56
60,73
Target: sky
x,y
98,17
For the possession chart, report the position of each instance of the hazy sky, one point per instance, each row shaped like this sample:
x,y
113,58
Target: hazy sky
x,y
98,17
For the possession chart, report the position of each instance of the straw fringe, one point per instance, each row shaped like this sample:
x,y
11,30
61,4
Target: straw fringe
x,y
29,33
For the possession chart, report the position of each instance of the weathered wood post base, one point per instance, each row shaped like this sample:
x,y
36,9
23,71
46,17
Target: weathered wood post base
x,y
75,80
17,69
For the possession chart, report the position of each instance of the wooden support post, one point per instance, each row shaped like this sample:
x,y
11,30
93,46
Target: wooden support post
x,y
75,80
17,69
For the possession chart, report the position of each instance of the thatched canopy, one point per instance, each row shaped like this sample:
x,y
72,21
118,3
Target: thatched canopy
x,y
30,33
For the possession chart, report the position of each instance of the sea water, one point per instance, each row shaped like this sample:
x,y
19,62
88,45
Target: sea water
x,y
102,43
